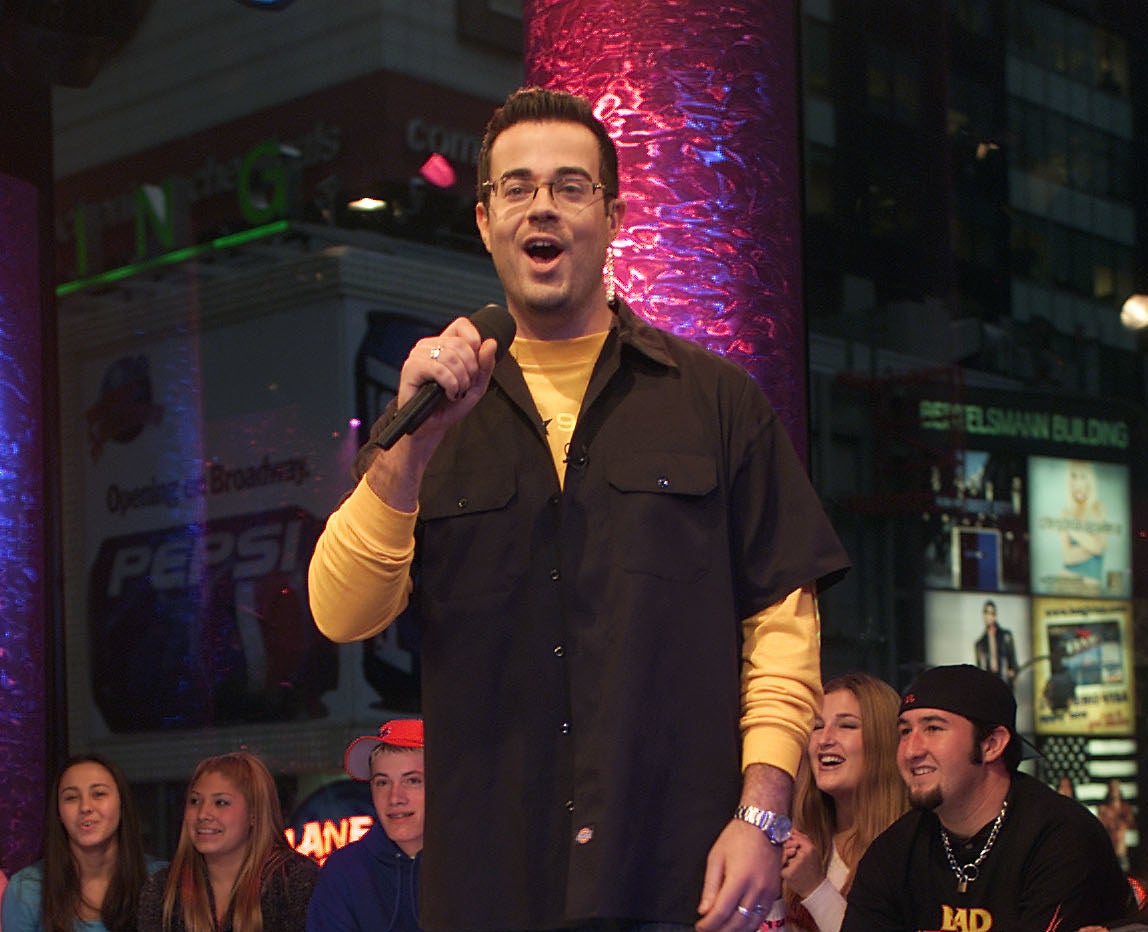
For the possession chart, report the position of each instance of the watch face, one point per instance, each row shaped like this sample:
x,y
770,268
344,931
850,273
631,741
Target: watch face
x,y
780,830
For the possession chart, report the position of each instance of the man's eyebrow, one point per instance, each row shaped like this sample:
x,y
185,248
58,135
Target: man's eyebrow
x,y
558,173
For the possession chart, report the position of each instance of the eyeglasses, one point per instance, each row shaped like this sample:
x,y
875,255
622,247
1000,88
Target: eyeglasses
x,y
566,190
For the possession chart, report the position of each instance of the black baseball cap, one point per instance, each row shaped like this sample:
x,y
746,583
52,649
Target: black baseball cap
x,y
970,692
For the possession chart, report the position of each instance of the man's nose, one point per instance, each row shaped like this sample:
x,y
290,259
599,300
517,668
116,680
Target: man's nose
x,y
910,745
543,203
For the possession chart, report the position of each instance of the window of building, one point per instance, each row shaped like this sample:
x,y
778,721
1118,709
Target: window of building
x,y
817,56
1111,58
893,80
819,175
1028,248
974,16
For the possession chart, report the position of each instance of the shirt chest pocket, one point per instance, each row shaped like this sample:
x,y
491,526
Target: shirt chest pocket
x,y
665,513
470,542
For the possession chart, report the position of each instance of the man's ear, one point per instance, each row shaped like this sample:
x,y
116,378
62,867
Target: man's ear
x,y
616,212
993,746
482,221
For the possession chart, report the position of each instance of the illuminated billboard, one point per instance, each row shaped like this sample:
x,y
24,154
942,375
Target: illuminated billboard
x,y
1085,685
1079,535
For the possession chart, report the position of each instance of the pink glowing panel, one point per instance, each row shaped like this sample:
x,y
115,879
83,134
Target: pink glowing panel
x,y
23,715
701,99
438,171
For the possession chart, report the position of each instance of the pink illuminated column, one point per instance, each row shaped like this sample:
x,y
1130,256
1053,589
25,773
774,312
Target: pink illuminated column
x,y
701,98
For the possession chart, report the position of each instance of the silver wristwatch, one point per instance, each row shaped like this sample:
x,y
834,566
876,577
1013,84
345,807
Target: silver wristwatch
x,y
775,825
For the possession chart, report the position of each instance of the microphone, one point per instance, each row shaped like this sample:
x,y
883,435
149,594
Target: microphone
x,y
491,320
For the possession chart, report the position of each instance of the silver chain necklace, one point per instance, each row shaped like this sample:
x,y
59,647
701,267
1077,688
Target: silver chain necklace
x,y
971,871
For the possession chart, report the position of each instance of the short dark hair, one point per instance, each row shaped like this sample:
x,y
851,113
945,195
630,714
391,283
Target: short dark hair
x,y
539,105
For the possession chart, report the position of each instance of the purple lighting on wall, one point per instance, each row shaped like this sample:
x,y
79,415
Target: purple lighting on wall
x,y
22,678
701,99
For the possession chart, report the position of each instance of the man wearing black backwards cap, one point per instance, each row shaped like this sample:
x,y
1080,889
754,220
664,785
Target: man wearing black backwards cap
x,y
372,884
985,847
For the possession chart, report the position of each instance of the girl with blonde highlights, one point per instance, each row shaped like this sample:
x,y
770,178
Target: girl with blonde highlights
x,y
848,792
233,870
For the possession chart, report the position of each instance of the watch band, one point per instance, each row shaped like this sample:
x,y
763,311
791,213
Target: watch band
x,y
776,827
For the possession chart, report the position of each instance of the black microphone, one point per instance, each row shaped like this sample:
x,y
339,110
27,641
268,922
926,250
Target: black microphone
x,y
492,320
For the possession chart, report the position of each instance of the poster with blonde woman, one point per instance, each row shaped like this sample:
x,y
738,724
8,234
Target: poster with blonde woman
x,y
1079,528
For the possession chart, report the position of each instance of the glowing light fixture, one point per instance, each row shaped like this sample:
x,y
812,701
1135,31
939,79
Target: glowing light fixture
x,y
1134,314
366,204
438,171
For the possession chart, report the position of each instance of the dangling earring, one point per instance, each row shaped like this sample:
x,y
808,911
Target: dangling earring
x,y
608,275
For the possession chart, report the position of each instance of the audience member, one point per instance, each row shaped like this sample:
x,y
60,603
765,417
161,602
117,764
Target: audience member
x,y
848,792
94,866
986,846
233,870
1118,817
371,885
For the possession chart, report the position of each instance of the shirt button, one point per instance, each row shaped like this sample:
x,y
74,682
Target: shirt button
x,y
555,574
462,503
569,805
565,729
663,482
553,499
560,651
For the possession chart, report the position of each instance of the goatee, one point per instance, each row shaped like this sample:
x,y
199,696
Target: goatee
x,y
927,800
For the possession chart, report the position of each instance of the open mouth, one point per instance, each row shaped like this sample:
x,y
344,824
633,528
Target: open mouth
x,y
543,251
830,760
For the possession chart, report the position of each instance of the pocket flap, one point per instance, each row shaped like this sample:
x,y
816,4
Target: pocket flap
x,y
664,472
463,492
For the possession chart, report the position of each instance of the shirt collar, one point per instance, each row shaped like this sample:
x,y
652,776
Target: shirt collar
x,y
644,337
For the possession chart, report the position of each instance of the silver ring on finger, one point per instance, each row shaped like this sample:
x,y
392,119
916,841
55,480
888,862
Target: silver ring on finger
x,y
435,351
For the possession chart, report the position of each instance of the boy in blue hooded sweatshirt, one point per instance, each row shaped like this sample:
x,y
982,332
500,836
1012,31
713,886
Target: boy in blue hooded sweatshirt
x,y
372,884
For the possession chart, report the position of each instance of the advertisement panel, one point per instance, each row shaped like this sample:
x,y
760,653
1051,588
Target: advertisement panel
x,y
211,415
1080,540
1086,685
202,508
977,524
994,633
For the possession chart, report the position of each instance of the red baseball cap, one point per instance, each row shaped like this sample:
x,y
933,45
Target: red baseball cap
x,y
404,733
